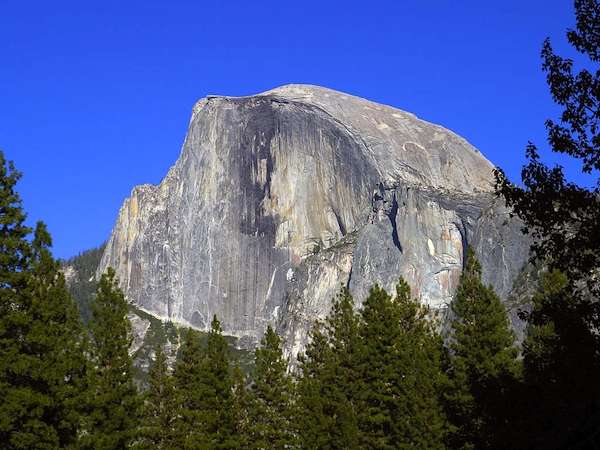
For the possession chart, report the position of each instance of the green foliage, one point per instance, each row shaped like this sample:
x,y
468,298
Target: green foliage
x,y
328,418
220,417
58,340
241,405
41,339
168,335
484,362
188,390
158,411
565,218
271,398
374,379
401,363
83,286
561,370
114,401
13,234
206,412
86,263
561,388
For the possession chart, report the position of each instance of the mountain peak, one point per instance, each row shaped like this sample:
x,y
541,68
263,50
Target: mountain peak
x,y
402,147
280,197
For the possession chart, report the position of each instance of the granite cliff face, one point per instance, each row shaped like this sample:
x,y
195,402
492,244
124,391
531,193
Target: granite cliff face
x,y
279,198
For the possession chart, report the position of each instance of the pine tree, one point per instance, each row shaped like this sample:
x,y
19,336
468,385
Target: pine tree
x,y
188,418
83,285
327,388
561,370
15,249
41,337
316,419
14,260
220,418
241,405
114,402
484,363
158,411
57,338
401,367
342,331
271,398
207,417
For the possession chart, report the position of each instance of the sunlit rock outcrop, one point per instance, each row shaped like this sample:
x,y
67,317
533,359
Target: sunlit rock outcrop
x,y
279,198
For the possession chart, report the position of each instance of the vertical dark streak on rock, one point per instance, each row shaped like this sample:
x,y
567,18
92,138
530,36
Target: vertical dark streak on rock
x,y
392,217
349,278
255,147
340,223
465,241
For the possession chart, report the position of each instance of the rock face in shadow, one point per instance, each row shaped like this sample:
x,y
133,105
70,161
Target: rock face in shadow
x,y
279,198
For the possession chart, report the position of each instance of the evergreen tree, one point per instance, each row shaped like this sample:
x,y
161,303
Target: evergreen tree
x,y
207,417
41,337
328,416
271,398
241,405
401,367
484,363
15,249
57,338
14,262
83,285
114,402
561,371
315,389
158,411
221,420
188,419
343,341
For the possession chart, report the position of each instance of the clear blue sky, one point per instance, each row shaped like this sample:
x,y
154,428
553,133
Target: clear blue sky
x,y
95,97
